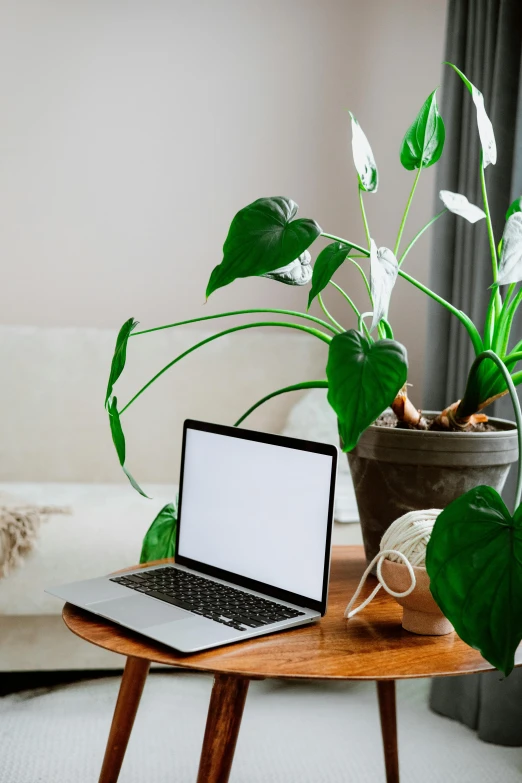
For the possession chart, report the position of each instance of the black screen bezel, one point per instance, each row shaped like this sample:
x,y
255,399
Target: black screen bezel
x,y
242,581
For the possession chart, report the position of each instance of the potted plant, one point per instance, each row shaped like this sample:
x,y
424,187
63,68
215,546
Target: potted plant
x,y
427,459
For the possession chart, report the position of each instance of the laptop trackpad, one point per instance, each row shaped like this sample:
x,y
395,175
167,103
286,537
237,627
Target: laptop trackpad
x,y
138,611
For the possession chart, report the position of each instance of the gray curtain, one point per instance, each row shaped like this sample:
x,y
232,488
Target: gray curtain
x,y
484,39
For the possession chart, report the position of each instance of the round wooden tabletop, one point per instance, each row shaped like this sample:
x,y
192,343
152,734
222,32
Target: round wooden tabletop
x,y
373,645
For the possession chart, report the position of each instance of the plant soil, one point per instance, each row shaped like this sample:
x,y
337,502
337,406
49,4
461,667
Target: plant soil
x,y
389,419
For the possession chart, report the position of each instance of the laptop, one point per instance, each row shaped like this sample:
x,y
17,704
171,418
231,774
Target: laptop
x,y
252,544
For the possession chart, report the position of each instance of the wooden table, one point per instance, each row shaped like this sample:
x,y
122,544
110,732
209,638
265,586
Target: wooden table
x,y
371,646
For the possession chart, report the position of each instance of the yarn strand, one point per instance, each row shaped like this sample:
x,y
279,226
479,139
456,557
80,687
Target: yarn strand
x,y
406,539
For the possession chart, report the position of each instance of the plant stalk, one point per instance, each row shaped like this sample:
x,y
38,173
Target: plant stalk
x,y
361,250
406,211
294,387
463,318
420,233
293,313
363,213
335,323
315,332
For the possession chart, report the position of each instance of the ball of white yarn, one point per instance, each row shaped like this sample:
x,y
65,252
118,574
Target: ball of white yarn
x,y
405,541
409,535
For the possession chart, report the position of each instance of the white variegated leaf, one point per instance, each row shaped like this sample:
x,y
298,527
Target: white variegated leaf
x,y
298,272
363,158
485,128
459,205
383,274
510,270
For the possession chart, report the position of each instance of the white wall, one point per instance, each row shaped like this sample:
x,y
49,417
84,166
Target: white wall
x,y
131,132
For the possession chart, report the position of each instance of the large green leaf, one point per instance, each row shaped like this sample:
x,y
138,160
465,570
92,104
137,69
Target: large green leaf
x,y
363,380
160,538
120,355
263,237
474,561
485,128
326,264
118,439
363,159
424,139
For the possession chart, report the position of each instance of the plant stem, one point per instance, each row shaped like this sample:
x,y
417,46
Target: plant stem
x,y
361,250
420,233
516,407
463,318
294,387
495,300
336,324
363,275
405,215
352,305
363,213
293,313
315,332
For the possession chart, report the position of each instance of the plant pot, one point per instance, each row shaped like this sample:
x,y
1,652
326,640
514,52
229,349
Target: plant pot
x,y
395,471
420,612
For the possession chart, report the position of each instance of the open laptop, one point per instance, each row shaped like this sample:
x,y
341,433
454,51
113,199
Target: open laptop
x,y
253,544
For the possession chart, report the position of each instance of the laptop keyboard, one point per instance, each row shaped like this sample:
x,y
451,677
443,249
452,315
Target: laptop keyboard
x,y
205,597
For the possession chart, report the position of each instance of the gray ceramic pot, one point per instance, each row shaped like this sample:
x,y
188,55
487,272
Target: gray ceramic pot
x,y
395,471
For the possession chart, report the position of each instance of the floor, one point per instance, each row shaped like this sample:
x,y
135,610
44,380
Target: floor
x,y
291,733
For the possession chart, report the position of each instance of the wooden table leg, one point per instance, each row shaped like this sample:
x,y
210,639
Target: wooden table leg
x,y
223,721
388,714
131,688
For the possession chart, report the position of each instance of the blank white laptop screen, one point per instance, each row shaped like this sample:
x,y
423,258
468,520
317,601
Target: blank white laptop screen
x,y
257,510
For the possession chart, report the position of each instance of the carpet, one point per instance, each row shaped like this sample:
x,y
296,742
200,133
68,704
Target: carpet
x,y
291,733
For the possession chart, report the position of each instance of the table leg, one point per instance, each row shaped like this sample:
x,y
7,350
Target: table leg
x,y
388,714
223,721
131,688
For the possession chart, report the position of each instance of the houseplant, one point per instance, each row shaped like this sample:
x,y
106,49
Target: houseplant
x,y
367,368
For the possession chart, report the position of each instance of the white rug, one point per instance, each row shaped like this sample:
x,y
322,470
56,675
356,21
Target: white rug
x,y
291,733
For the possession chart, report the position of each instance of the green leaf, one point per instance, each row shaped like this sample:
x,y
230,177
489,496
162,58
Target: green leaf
x,y
474,561
160,538
485,128
118,439
424,139
263,237
120,355
363,380
326,264
298,272
516,206
363,159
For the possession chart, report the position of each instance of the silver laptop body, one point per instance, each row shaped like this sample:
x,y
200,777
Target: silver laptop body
x,y
253,544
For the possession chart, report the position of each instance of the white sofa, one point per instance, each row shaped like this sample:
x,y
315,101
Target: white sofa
x,y
56,449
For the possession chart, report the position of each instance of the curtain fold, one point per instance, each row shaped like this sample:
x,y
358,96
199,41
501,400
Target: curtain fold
x,y
484,40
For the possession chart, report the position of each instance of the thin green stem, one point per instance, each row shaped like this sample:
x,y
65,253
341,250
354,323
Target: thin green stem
x,y
407,209
315,332
504,322
336,324
293,313
363,213
352,305
420,233
463,318
514,401
495,300
361,250
363,275
294,387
